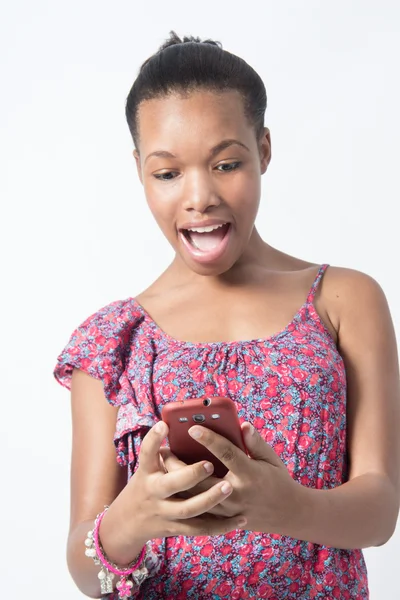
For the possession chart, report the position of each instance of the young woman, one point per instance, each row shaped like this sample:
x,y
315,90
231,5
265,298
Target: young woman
x,y
306,352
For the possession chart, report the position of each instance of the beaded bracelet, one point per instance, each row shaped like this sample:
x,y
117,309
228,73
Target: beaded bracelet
x,y
139,569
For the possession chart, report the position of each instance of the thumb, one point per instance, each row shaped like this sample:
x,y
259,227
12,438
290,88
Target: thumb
x,y
149,456
257,447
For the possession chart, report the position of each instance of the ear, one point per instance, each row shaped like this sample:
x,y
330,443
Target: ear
x,y
136,156
265,150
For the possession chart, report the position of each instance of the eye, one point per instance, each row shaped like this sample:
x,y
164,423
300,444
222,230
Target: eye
x,y
232,167
163,176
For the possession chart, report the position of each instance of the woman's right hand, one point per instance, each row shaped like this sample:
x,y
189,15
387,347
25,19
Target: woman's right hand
x,y
148,508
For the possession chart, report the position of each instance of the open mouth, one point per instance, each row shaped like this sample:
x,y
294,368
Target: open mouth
x,y
206,239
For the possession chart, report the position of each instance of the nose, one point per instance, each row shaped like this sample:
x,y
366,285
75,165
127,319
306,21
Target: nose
x,y
199,192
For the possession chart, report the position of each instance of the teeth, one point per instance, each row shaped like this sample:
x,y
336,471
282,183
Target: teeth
x,y
206,229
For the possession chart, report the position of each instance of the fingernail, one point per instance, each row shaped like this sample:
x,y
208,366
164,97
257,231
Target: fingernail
x,y
195,433
226,488
251,429
208,467
159,427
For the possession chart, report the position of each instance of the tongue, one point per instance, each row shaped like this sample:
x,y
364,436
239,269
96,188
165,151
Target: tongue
x,y
207,241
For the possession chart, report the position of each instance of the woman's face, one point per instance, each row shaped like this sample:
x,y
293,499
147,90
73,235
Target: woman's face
x,y
193,172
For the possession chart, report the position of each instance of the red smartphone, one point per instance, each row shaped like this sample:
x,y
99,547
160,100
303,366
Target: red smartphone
x,y
216,413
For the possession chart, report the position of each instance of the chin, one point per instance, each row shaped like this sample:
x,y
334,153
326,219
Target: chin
x,y
210,269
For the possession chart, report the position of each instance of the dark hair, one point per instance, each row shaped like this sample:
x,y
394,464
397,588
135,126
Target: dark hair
x,y
183,66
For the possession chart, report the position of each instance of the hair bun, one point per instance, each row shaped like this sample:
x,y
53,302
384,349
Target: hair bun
x,y
174,39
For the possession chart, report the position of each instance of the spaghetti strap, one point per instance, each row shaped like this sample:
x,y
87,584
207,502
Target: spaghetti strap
x,y
314,287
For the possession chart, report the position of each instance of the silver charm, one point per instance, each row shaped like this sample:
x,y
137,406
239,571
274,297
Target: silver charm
x,y
106,581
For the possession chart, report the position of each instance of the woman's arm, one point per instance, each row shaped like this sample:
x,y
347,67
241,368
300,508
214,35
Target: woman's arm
x,y
96,477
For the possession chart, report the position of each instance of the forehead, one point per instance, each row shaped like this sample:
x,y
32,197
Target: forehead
x,y
198,115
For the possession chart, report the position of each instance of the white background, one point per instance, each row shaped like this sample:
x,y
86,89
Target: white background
x,y
76,232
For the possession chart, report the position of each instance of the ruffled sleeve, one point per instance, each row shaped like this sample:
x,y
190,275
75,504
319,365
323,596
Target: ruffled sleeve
x,y
100,347
109,347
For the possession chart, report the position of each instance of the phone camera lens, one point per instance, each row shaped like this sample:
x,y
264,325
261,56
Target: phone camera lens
x,y
206,402
199,418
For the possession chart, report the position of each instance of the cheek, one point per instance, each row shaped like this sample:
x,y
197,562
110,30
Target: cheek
x,y
247,199
163,211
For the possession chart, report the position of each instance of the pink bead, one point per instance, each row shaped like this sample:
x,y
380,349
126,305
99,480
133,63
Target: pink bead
x,y
124,587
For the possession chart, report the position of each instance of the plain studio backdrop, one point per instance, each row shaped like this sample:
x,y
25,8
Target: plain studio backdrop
x,y
76,232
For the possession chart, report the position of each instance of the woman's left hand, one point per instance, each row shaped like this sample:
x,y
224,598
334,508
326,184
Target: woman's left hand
x,y
263,489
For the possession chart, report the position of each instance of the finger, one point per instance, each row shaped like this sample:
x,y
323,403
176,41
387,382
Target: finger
x,y
171,462
149,457
207,525
201,487
183,479
258,447
230,455
220,511
197,505
204,485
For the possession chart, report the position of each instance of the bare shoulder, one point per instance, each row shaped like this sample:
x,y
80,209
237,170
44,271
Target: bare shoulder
x,y
348,294
345,281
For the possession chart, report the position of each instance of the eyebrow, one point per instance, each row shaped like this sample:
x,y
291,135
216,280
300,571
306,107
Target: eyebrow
x,y
213,152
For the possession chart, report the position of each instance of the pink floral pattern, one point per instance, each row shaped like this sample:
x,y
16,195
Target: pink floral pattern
x,y
291,386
